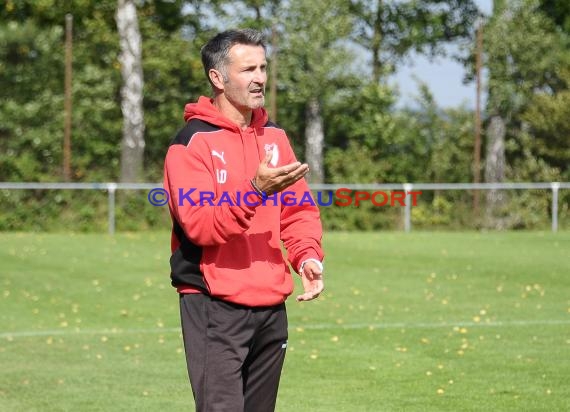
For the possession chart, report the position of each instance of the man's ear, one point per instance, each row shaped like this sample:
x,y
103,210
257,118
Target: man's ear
x,y
216,78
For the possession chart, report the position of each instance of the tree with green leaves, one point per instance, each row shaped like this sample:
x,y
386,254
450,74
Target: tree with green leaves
x,y
95,87
558,11
525,56
391,30
31,128
547,119
31,80
314,65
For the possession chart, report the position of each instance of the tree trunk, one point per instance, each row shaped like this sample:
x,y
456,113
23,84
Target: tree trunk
x,y
495,172
273,76
495,213
314,140
377,44
132,146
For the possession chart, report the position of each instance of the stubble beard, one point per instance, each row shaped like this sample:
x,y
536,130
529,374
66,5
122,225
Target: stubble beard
x,y
258,103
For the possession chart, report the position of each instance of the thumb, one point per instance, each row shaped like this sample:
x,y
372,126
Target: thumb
x,y
312,272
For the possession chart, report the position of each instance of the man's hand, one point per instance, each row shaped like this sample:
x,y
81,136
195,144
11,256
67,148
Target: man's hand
x,y
272,180
312,278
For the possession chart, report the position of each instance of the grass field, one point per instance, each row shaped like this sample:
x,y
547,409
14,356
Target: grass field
x,y
409,322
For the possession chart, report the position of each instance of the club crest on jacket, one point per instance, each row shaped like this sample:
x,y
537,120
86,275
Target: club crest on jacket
x,y
275,156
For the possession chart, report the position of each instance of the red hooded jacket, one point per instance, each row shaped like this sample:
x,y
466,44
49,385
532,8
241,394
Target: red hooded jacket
x,y
226,242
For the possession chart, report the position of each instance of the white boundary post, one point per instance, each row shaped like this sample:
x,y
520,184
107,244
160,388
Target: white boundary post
x,y
408,187
555,186
112,188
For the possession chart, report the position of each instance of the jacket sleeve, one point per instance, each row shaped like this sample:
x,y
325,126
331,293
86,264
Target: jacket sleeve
x,y
301,228
187,178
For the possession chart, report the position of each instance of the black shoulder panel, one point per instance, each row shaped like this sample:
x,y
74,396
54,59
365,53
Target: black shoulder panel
x,y
192,127
271,124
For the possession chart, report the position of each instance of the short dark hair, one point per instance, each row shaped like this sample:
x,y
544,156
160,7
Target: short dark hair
x,y
215,52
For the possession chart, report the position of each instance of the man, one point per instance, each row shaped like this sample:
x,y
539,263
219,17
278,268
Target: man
x,y
236,192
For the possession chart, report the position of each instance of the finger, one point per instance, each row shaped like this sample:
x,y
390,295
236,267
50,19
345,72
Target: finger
x,y
300,171
313,293
307,296
297,174
312,271
287,169
298,168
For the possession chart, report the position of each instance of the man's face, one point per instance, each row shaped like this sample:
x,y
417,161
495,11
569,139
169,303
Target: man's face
x,y
246,77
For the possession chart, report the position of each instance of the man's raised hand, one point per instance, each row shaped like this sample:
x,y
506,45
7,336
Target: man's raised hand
x,y
274,179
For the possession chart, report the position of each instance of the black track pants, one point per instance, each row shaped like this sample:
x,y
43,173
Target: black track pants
x,y
234,353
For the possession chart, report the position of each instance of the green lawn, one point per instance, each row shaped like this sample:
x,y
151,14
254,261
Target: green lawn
x,y
408,322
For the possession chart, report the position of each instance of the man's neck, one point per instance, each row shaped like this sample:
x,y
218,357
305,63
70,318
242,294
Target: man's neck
x,y
242,119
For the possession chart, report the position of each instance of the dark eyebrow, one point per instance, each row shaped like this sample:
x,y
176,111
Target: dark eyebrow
x,y
253,66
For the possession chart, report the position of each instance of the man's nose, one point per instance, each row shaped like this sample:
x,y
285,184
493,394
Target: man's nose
x,y
260,77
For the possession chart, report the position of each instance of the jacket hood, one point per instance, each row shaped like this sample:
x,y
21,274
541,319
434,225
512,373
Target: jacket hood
x,y
206,111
